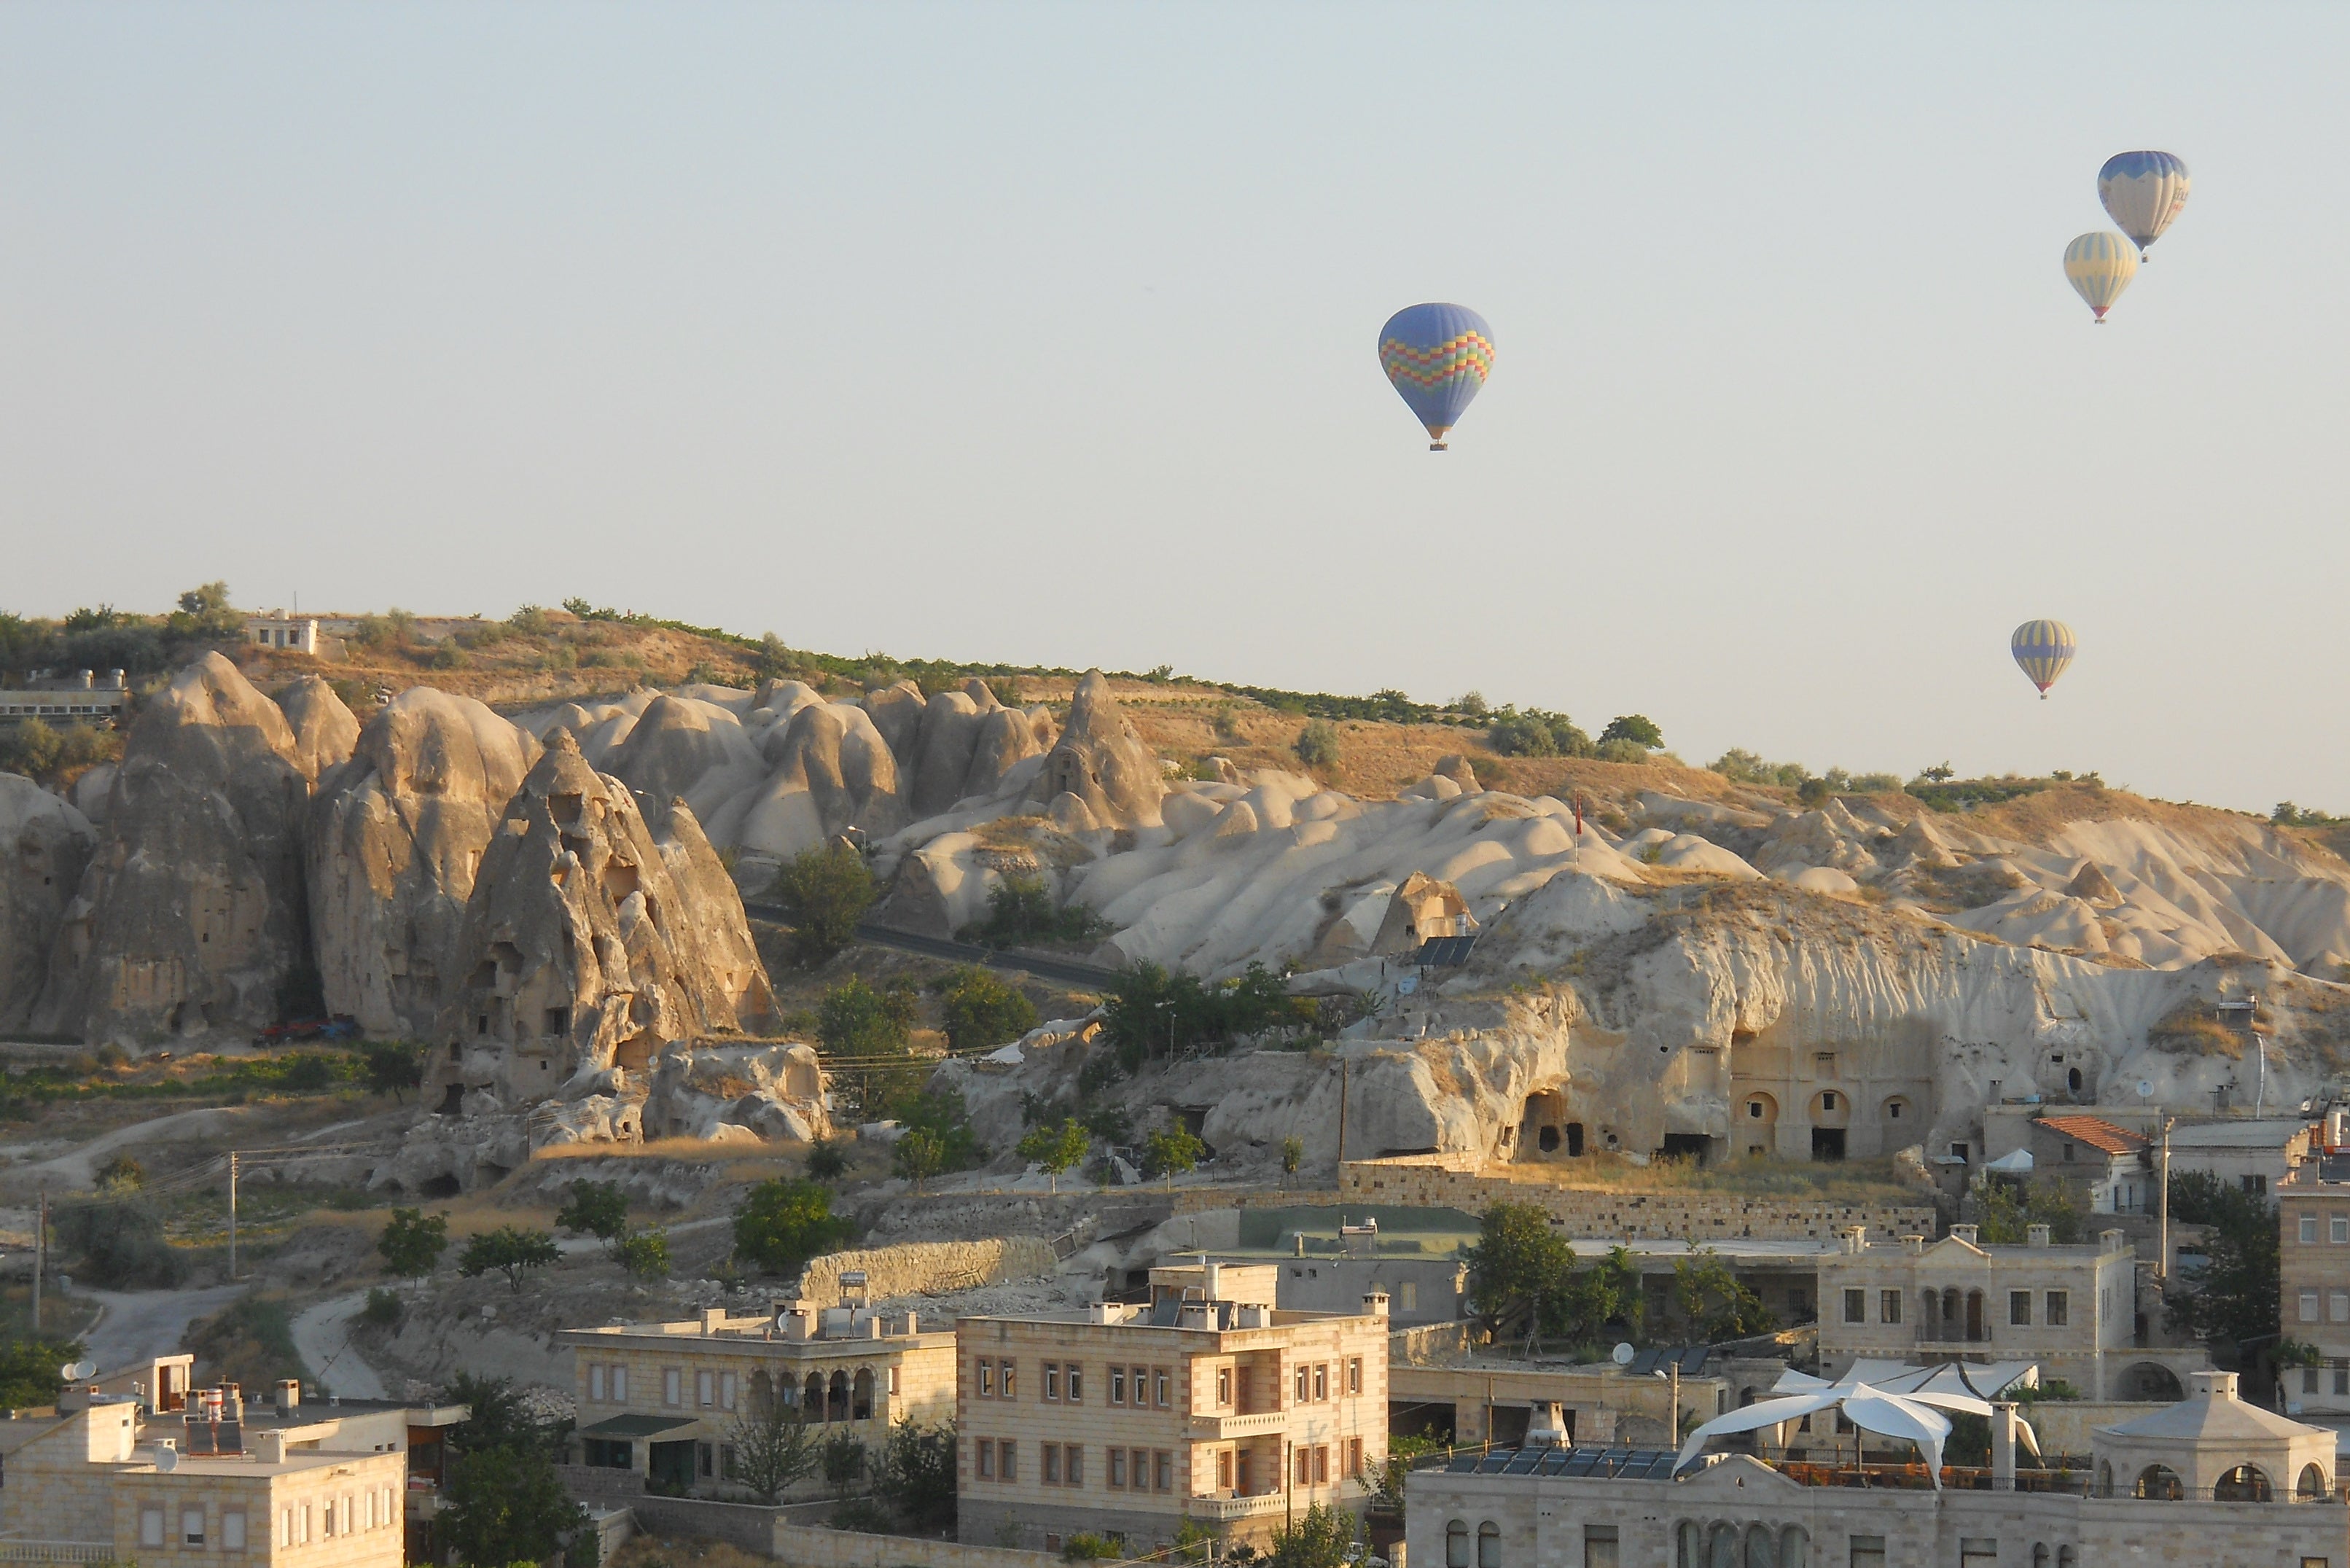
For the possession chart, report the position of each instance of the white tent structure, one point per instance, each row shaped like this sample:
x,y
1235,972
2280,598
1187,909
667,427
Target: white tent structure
x,y
2014,1162
1887,1397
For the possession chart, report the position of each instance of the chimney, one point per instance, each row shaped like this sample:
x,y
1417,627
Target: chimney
x,y
1913,1245
2214,1386
2003,1445
712,1319
2035,1235
269,1446
289,1395
1966,1233
114,680
1215,1279
85,678
2114,1240
1375,1305
1856,1238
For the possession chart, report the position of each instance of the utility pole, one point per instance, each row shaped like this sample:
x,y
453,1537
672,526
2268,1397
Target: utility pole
x,y
231,1216
2162,1182
40,1255
1342,1124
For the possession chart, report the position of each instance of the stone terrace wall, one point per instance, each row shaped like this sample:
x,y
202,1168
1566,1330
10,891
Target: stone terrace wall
x,y
1433,1181
928,1268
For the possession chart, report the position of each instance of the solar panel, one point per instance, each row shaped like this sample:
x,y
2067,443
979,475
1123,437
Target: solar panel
x,y
1524,1461
1581,1462
1444,952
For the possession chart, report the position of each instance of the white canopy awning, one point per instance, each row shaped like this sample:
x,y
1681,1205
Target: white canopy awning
x,y
1887,1397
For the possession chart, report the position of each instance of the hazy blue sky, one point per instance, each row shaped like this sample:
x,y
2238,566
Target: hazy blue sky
x,y
1044,333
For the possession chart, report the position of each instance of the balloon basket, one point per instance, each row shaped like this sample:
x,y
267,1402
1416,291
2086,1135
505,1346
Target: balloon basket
x,y
1438,446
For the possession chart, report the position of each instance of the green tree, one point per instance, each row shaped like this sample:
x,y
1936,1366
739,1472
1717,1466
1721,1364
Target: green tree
x,y
393,1067
979,1009
1292,1155
855,1020
29,1370
643,1253
34,749
1317,743
413,1242
826,891
843,1457
1170,1151
1085,1546
1713,1301
2006,1209
499,1419
121,1174
774,1449
917,1474
507,1505
2232,1303
510,1250
826,1160
598,1209
919,1155
204,597
1637,727
120,1243
1055,1149
1516,1264
782,1224
1322,1538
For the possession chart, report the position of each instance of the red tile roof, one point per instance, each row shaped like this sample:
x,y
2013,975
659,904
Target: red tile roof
x,y
2097,1132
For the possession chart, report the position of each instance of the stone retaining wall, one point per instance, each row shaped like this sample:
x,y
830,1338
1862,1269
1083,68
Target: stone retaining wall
x,y
929,1268
1428,1181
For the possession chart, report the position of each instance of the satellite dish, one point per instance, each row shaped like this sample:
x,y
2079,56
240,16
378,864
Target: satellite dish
x,y
2144,1089
167,1458
1622,1353
75,1371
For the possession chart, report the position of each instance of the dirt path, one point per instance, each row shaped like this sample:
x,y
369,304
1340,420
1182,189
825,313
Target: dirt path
x,y
322,1333
136,1324
79,1168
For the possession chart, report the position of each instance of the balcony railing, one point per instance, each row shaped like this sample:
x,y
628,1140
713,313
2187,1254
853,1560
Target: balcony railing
x,y
20,1549
1241,1423
1250,1507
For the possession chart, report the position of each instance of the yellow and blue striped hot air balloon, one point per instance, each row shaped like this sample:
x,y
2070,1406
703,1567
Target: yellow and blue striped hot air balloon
x,y
1438,356
2043,649
2143,191
2099,265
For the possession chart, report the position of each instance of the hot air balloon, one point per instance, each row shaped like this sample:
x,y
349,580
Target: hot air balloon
x,y
2143,191
2043,649
2099,266
1438,356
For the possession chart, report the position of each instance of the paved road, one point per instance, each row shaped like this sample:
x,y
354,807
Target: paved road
x,y
322,1336
136,1324
79,1166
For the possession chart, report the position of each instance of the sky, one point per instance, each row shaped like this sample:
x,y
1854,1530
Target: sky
x,y
1045,334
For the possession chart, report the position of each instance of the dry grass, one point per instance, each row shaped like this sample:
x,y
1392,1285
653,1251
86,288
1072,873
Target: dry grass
x,y
1856,1181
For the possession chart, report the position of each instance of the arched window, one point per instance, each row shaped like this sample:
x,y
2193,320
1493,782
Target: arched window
x,y
2312,1487
1456,1543
2067,1558
1688,1545
1975,1327
2158,1483
1721,1547
1761,1547
1794,1548
2040,1554
2105,1478
1489,1545
2245,1483
835,1403
861,1409
813,1408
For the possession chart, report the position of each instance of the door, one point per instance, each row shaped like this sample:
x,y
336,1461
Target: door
x,y
671,1465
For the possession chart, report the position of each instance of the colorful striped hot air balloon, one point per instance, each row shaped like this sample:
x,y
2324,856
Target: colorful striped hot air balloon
x,y
2099,266
2143,191
2043,649
1438,356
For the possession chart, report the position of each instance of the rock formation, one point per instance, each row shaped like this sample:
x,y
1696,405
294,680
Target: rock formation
x,y
325,731
190,913
394,839
774,1091
45,845
1101,762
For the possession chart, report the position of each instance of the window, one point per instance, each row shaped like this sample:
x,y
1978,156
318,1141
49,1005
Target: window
x,y
1856,1307
1409,1295
1868,1552
1599,1546
2337,1228
2257,1185
1354,1375
1827,1100
726,1389
1456,1545
1489,1545
1303,1384
2019,1307
2309,1306
1007,1458
1303,1458
1076,1384
1074,1465
151,1525
2342,1377
726,1461
1223,1387
1051,1464
986,1378
595,1384
705,1389
1163,1387
984,1458
1977,1549
1138,1472
1355,1456
619,1386
1118,1469
2337,1306
2060,1309
1322,1464
1321,1382
1888,1307
1118,1384
233,1529
1224,1471
672,1385
2309,1230
1052,1385
1162,1470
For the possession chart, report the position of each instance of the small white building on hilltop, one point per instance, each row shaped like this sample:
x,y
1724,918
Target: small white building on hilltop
x,y
293,633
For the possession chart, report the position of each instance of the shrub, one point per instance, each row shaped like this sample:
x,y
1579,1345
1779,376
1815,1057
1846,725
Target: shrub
x,y
982,1010
855,1020
1171,1151
824,892
121,1174
917,1475
598,1209
382,1310
413,1242
1746,767
1534,732
1085,1546
531,620
920,1155
782,1224
1622,752
1317,743
826,1162
121,1245
29,1370
644,1254
1020,910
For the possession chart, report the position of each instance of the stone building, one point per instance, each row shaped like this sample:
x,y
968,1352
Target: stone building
x,y
2111,1164
1794,1097
2210,1480
2073,1309
664,1400
1209,1404
2313,1276
277,629
90,1485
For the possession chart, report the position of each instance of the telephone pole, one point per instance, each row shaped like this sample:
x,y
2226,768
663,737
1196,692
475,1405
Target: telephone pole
x,y
40,1255
231,1216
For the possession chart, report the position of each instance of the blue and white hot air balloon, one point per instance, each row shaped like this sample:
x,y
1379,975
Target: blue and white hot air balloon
x,y
2043,651
1438,356
2099,265
2143,191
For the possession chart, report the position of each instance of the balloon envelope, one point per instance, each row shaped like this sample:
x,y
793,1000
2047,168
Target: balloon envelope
x,y
2143,191
2043,650
2099,266
1438,356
